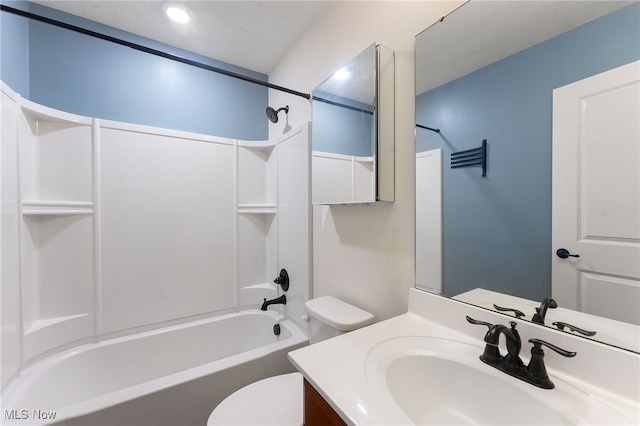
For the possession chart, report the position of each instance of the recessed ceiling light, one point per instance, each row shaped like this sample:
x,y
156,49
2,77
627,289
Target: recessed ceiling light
x,y
177,13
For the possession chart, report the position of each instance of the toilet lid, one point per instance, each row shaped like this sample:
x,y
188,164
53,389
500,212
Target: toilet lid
x,y
273,401
338,314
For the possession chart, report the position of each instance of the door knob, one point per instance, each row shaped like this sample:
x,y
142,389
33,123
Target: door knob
x,y
564,253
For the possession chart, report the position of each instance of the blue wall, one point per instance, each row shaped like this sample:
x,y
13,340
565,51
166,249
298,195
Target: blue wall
x,y
92,77
497,230
342,130
14,51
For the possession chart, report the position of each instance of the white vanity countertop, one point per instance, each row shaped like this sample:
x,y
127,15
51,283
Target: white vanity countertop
x,y
336,367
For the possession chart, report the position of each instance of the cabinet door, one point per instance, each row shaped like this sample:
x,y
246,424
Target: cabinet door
x,y
317,412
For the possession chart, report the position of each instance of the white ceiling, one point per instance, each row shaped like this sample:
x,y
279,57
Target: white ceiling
x,y
257,34
482,32
250,34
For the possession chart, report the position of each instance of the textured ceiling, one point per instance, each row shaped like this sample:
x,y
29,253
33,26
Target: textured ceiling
x,y
257,34
250,34
482,32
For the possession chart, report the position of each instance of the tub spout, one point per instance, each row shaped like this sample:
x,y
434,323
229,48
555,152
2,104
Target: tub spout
x,y
282,300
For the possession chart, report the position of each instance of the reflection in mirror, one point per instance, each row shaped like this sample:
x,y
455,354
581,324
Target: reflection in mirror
x,y
350,131
490,71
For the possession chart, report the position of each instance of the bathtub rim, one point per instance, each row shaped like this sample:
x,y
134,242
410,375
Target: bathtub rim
x,y
297,338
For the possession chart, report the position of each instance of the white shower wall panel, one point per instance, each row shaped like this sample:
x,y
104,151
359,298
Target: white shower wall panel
x,y
9,219
294,217
167,220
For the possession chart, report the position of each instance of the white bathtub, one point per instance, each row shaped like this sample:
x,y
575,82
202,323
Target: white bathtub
x,y
172,376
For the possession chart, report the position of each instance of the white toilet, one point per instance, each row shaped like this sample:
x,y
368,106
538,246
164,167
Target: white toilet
x,y
278,400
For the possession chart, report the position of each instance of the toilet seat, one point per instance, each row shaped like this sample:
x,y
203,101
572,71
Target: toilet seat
x,y
276,401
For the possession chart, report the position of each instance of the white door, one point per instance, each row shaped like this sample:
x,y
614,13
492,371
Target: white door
x,y
596,194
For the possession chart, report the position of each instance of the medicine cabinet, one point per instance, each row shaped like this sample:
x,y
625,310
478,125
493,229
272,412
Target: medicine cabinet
x,y
353,131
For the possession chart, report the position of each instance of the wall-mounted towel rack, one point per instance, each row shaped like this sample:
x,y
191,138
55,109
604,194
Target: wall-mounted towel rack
x,y
471,157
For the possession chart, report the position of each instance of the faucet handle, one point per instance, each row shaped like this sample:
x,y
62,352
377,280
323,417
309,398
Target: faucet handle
x,y
561,325
477,322
537,371
516,312
282,279
491,352
537,346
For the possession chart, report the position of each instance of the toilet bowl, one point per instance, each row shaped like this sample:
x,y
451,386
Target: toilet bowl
x,y
278,400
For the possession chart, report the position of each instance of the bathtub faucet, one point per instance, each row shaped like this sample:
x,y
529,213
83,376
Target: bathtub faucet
x,y
279,300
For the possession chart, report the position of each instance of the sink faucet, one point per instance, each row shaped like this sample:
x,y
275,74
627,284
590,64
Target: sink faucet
x,y
541,312
282,300
547,303
535,373
513,343
491,354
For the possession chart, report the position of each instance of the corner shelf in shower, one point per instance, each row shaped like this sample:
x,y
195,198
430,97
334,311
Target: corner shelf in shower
x,y
45,334
49,322
257,209
39,112
253,294
263,146
56,208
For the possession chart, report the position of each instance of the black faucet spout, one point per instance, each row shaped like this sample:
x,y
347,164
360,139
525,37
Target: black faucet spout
x,y
491,354
282,300
541,312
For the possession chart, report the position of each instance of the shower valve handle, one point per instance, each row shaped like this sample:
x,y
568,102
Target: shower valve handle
x,y
283,279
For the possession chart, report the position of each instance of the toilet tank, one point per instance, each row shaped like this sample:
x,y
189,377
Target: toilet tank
x,y
330,317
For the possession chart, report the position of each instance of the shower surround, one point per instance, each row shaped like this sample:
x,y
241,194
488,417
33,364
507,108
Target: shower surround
x,y
110,228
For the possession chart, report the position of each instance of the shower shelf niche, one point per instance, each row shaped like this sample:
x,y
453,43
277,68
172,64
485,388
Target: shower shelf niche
x,y
257,208
41,113
45,208
257,223
56,157
264,146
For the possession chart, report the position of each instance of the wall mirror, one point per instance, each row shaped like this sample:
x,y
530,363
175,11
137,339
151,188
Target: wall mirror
x,y
489,72
353,131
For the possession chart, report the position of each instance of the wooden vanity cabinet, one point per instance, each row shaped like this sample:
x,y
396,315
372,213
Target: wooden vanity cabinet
x,y
317,412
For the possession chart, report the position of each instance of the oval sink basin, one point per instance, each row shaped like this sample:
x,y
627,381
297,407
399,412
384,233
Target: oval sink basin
x,y
433,390
443,382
